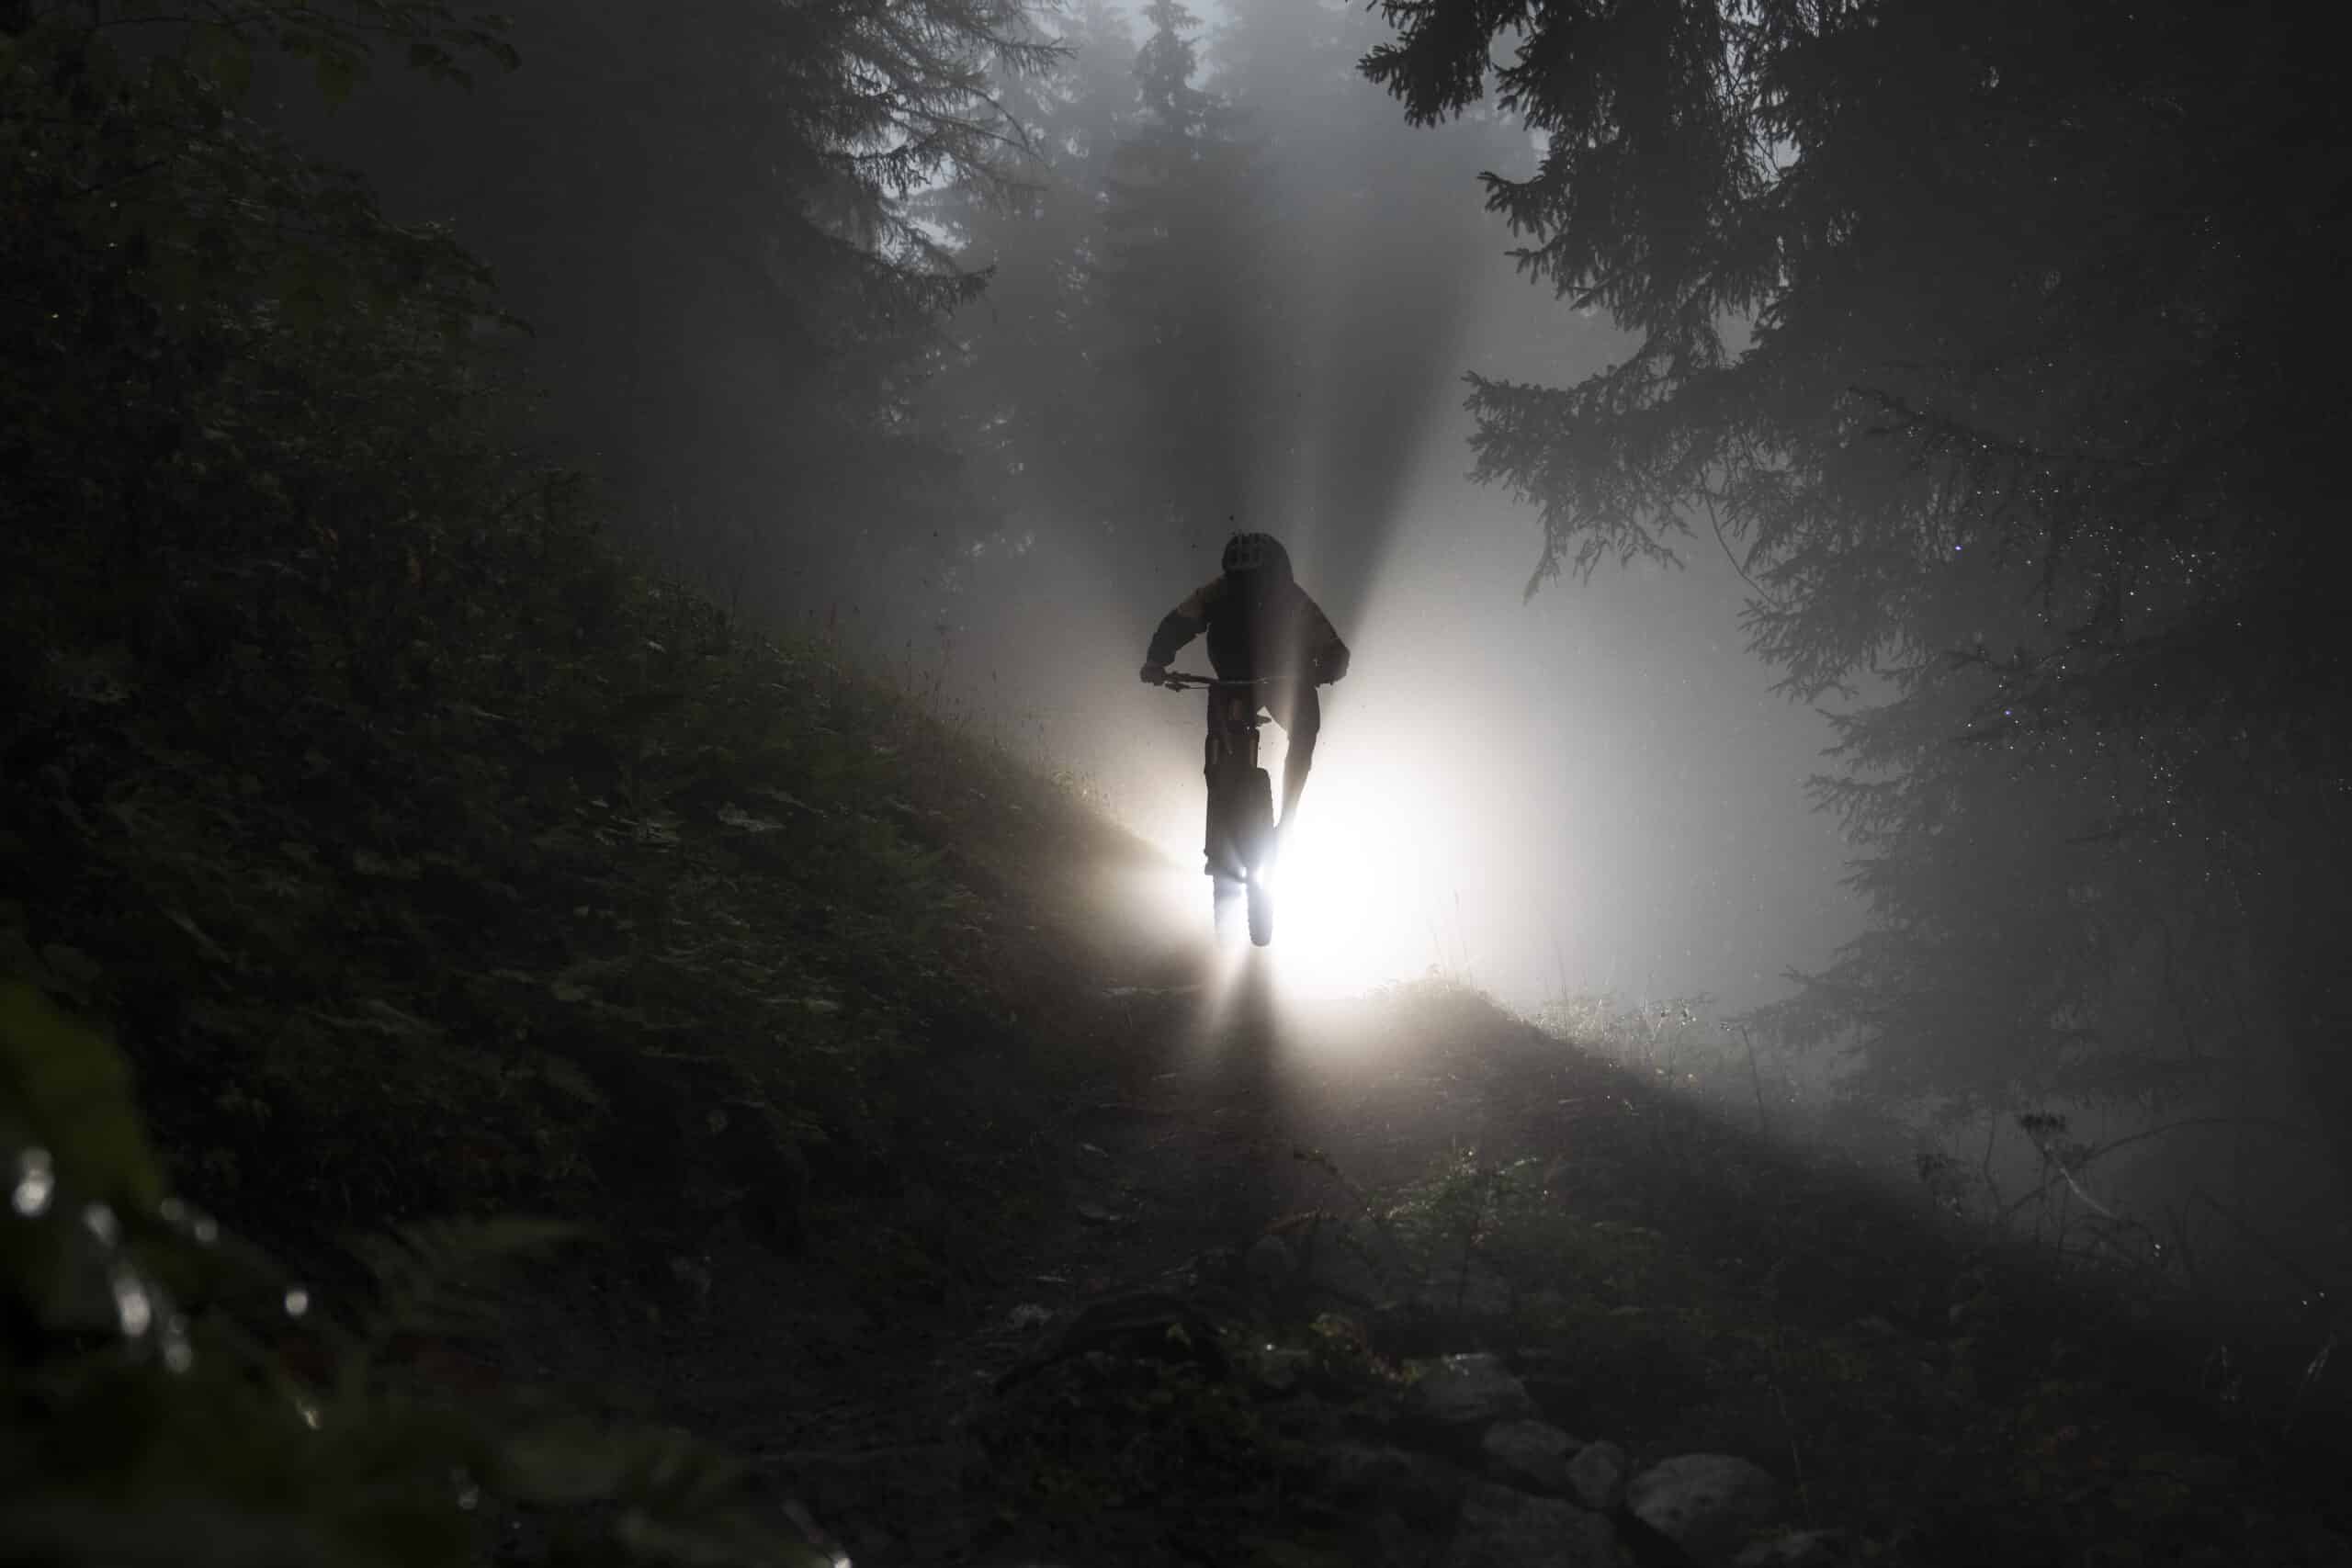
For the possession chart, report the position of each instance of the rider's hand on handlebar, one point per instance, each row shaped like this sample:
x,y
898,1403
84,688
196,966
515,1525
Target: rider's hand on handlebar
x,y
1155,675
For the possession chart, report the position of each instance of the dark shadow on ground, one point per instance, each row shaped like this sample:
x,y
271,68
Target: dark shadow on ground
x,y
1246,1089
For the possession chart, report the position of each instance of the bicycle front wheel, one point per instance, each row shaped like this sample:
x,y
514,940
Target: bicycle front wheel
x,y
1255,831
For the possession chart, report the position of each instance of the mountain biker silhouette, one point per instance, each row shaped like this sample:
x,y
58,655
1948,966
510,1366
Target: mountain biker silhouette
x,y
1261,625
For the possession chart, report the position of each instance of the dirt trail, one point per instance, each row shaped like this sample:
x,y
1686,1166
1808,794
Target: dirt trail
x,y
1179,1148
1689,1292
1182,1145
1210,1137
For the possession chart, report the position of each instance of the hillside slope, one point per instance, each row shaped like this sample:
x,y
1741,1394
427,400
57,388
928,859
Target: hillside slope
x,y
665,927
987,1222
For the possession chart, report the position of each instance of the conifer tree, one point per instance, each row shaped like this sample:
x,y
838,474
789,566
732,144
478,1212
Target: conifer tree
x,y
1186,299
1377,258
710,221
1020,392
2027,447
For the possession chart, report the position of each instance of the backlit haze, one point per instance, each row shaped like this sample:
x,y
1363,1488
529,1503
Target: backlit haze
x,y
1590,789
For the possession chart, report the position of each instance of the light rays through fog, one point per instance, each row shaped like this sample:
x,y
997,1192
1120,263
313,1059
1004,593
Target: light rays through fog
x,y
1595,791
1409,818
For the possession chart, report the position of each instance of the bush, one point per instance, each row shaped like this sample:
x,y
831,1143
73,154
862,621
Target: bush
x,y
173,1398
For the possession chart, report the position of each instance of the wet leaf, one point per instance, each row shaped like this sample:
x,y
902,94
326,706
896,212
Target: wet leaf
x,y
73,1090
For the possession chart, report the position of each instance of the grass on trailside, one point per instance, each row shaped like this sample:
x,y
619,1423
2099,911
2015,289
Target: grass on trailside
x,y
1662,1278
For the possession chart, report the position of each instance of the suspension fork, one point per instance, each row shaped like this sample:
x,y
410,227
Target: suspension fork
x,y
1229,756
1232,741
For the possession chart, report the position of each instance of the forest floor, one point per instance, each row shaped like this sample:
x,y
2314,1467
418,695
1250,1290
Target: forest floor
x,y
1266,1221
989,1220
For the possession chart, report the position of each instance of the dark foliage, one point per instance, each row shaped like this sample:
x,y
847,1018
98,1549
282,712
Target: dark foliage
x,y
1203,306
408,838
707,221
2000,345
429,859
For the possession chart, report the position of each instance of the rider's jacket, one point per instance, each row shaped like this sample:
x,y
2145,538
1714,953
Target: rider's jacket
x,y
1276,631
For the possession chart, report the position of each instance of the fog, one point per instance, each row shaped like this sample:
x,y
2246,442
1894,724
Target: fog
x,y
1589,788
605,822
1175,276
1592,789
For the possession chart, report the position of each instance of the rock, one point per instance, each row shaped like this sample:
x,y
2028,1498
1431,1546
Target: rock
x,y
1461,1391
1800,1549
693,1276
1220,1267
1597,1476
1814,1290
1269,1264
1500,1528
1559,1380
1140,1326
1481,1294
1420,1488
1407,1331
1529,1455
1275,1369
1709,1505
1351,1260
1384,1540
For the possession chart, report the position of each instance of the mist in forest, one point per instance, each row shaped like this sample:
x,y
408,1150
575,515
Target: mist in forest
x,y
1593,788
584,694
1226,286
1915,670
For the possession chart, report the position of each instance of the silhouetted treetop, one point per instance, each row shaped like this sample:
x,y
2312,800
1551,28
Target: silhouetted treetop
x,y
2002,345
1656,143
1166,64
2045,282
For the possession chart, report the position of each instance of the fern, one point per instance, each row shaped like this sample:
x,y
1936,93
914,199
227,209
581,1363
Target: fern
x,y
432,1276
151,1417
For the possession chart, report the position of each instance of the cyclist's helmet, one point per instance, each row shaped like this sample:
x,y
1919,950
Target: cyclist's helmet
x,y
1257,557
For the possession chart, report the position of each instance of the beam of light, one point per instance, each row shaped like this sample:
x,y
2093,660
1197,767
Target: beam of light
x,y
1364,872
1406,834
1223,967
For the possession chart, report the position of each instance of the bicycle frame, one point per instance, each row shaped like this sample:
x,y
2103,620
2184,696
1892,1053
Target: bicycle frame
x,y
1233,717
1240,838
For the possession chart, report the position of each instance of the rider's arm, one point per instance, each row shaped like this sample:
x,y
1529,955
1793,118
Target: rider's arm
x,y
1327,656
1180,625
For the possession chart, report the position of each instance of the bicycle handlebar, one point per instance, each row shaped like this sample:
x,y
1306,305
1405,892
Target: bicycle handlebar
x,y
1178,680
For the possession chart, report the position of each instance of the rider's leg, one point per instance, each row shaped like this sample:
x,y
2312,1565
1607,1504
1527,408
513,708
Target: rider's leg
x,y
1301,716
1218,858
1209,823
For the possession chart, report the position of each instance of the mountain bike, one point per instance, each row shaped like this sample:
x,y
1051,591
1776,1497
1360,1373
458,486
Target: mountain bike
x,y
1240,841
